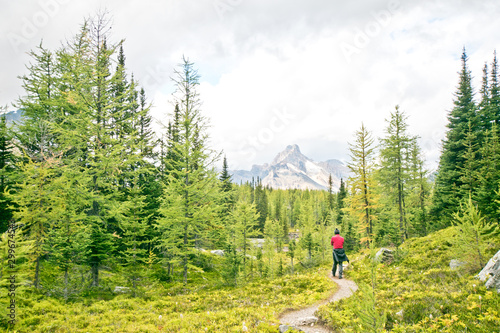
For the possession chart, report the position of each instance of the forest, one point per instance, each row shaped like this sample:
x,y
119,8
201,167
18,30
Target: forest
x,y
92,198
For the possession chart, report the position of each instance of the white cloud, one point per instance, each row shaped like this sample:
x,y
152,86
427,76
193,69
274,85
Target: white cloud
x,y
278,72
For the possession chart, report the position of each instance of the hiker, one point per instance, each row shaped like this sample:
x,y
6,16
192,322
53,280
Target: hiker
x,y
338,253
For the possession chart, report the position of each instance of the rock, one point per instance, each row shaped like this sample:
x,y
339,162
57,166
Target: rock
x,y
491,273
122,290
284,328
400,314
307,321
385,256
217,252
454,264
258,242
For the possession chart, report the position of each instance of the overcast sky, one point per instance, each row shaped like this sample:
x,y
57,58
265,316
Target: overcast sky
x,y
280,72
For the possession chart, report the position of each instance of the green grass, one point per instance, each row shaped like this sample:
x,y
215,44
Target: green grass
x,y
420,293
191,308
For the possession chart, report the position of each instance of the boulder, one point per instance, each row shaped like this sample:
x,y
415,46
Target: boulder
x,y
121,290
307,321
491,273
217,252
454,264
284,328
384,255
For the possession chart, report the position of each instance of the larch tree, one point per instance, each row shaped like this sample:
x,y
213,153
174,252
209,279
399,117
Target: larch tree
x,y
362,200
188,204
394,172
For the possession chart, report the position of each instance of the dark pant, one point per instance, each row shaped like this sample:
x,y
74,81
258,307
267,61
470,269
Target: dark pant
x,y
334,269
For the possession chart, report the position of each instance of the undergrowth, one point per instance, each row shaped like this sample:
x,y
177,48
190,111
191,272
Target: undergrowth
x,y
420,293
174,307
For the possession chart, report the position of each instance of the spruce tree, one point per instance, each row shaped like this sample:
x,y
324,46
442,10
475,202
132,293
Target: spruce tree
x,y
7,168
448,183
488,194
341,195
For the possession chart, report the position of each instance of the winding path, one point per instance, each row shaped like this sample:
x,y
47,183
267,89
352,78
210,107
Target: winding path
x,y
303,318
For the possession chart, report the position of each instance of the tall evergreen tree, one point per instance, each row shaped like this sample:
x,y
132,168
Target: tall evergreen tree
x,y
488,194
341,195
447,195
7,169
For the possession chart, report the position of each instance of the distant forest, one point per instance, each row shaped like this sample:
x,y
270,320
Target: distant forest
x,y
86,185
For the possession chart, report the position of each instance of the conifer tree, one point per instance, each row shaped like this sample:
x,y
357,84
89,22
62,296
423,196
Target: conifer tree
x,y
68,238
447,188
36,210
394,169
341,195
419,190
362,200
494,105
7,169
330,192
244,226
188,206
261,203
134,226
468,171
488,194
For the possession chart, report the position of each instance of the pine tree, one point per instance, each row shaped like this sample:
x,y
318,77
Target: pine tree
x,y
447,195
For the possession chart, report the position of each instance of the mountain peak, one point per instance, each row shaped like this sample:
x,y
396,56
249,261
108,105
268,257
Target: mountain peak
x,y
293,148
291,154
292,169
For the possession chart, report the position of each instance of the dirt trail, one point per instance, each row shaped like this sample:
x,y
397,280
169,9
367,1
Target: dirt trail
x,y
302,319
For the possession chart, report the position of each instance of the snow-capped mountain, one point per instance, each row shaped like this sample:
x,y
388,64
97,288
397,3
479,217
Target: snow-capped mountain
x,y
291,169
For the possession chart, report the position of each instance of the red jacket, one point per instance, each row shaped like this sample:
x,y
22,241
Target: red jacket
x,y
337,242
